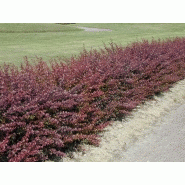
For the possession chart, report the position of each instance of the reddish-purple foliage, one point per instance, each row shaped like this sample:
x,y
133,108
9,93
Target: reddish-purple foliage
x,y
44,109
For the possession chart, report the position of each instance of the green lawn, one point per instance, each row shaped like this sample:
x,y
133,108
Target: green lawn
x,y
57,40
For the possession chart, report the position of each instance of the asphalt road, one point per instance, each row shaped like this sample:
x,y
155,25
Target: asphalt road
x,y
164,143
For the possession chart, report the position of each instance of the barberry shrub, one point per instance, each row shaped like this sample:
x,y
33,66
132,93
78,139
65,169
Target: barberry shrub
x,y
45,108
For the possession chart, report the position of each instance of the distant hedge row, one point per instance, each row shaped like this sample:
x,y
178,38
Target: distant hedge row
x,y
45,109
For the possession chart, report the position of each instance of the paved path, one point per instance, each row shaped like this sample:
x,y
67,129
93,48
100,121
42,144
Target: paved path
x,y
93,29
166,143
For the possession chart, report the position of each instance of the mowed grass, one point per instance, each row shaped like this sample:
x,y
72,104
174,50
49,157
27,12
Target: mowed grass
x,y
51,40
34,28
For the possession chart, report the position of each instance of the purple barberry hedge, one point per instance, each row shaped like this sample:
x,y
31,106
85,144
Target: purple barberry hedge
x,y
45,109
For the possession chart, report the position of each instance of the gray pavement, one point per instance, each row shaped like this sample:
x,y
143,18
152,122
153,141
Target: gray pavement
x,y
164,143
93,29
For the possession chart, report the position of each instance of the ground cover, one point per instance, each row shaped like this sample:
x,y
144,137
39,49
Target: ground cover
x,y
46,110
55,41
